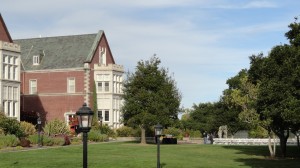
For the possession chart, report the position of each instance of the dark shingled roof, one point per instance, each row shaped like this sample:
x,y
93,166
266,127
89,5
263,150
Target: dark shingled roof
x,y
58,52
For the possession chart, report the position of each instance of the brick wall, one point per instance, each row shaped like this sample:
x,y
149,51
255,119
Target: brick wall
x,y
52,99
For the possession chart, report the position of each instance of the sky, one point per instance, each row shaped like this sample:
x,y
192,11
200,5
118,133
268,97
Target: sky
x,y
201,42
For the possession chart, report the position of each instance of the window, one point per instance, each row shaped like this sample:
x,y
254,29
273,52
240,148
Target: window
x,y
5,92
15,93
106,86
10,67
103,82
36,60
102,55
32,87
99,88
99,115
106,117
71,85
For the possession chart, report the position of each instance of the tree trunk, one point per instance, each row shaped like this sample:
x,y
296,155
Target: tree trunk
x,y
272,152
283,141
143,135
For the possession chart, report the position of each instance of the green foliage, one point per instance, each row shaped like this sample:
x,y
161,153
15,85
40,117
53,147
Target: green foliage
x,y
10,126
27,128
47,140
76,140
2,131
56,127
8,141
125,131
195,134
105,129
150,96
172,131
96,136
258,132
59,141
95,107
33,138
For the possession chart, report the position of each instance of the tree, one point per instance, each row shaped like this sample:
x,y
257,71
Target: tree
x,y
150,97
278,101
242,95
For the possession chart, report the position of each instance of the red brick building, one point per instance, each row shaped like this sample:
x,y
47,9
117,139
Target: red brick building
x,y
58,75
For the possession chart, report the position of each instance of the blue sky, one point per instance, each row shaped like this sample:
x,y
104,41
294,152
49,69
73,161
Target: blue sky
x,y
201,42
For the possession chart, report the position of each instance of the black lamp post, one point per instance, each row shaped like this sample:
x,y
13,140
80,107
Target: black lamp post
x,y
101,119
158,132
39,123
85,116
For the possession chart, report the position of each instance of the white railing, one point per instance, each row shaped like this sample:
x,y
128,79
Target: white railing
x,y
246,141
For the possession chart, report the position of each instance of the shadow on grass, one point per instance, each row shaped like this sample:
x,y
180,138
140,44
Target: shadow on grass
x,y
261,156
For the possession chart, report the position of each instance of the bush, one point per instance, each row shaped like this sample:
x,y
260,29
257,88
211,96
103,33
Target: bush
x,y
47,140
27,128
60,141
33,138
173,131
125,131
195,134
258,132
56,127
96,136
8,141
76,140
11,126
105,129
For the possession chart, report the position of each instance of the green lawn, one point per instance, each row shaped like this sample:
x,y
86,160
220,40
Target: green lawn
x,y
133,155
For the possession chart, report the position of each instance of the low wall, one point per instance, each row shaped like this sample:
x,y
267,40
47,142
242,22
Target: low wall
x,y
248,141
148,139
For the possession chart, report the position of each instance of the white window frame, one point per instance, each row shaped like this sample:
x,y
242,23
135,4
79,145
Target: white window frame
x,y
106,115
71,85
36,60
102,55
33,86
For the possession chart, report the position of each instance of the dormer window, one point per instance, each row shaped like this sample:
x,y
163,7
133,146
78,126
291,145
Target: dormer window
x,y
102,55
36,60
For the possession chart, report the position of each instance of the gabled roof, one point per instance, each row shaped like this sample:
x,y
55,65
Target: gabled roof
x,y
4,34
59,52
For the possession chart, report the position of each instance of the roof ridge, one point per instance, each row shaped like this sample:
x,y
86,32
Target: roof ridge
x,y
55,36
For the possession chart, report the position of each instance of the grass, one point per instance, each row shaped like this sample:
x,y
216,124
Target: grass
x,y
134,155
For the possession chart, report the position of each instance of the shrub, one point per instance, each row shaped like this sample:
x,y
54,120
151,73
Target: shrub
x,y
27,128
8,141
60,141
56,127
173,131
195,134
47,140
76,140
125,131
96,136
11,126
105,129
258,132
1,131
33,138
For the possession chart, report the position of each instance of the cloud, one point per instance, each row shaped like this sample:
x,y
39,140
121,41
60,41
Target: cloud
x,y
203,42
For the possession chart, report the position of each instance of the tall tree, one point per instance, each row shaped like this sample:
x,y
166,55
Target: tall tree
x,y
278,100
242,96
150,97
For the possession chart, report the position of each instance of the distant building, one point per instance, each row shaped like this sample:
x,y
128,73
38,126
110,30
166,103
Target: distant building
x,y
9,73
60,73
